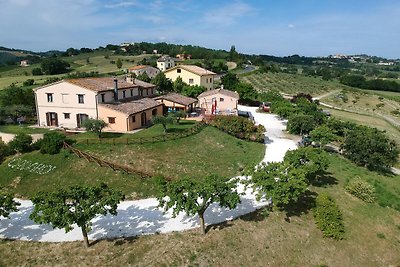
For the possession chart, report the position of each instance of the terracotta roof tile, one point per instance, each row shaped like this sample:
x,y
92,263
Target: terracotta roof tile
x,y
133,107
194,69
139,67
219,91
178,98
101,84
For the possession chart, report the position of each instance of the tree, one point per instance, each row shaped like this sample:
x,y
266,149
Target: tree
x,y
233,55
322,135
7,204
246,91
370,147
144,77
53,65
37,72
164,121
193,90
5,151
76,205
94,126
178,85
312,160
279,181
21,143
230,81
194,196
119,63
163,83
179,115
300,124
52,142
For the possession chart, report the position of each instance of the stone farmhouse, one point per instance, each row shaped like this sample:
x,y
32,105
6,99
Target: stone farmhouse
x,y
124,104
192,75
149,70
165,62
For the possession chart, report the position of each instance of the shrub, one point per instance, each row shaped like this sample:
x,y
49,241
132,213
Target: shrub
x,y
328,217
28,82
239,127
5,151
37,72
21,143
53,142
301,124
361,189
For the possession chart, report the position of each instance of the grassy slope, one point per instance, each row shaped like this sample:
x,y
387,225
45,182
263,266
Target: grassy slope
x,y
208,152
189,156
250,240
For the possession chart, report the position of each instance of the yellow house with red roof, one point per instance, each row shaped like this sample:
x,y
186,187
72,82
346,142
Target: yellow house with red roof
x,y
192,75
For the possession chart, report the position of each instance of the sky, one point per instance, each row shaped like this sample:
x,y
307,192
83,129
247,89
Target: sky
x,y
270,27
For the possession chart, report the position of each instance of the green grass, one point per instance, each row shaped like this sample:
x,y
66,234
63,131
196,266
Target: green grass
x,y
276,240
16,129
70,170
209,152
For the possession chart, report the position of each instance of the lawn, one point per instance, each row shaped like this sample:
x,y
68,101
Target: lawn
x,y
207,152
16,129
372,238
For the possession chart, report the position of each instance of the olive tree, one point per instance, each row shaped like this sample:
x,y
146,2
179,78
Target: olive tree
x,y
164,121
7,204
95,126
76,205
194,196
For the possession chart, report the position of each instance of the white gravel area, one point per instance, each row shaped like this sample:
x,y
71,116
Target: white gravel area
x,y
141,217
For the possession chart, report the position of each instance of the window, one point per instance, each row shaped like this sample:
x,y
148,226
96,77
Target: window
x,y
133,118
190,81
67,116
178,70
64,98
123,94
131,92
221,100
103,98
210,80
111,120
81,99
49,97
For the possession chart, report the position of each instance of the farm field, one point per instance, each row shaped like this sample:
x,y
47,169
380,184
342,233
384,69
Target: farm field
x,y
97,62
257,239
290,83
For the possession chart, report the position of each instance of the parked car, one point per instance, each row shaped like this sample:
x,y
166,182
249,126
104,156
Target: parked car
x,y
265,106
245,114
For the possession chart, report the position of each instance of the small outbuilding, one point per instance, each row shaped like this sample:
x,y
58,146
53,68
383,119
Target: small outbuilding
x,y
219,101
177,102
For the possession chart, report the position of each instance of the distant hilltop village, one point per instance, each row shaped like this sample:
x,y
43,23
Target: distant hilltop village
x,y
364,59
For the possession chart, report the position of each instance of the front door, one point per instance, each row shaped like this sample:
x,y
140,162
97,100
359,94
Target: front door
x,y
80,118
51,119
144,119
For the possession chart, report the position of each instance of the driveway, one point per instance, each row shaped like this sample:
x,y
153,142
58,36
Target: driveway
x,y
143,216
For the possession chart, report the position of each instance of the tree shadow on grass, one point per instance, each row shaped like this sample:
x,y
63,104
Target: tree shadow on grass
x,y
303,205
323,180
176,130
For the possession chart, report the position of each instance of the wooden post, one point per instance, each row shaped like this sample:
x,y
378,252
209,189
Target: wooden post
x,y
87,141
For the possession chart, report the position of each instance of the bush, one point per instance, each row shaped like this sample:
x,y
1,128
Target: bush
x,y
5,151
21,143
53,142
37,72
328,217
28,82
361,189
301,124
239,127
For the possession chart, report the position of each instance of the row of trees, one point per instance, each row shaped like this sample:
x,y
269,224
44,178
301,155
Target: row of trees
x,y
360,81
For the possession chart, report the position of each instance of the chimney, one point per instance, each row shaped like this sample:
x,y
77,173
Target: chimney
x,y
115,89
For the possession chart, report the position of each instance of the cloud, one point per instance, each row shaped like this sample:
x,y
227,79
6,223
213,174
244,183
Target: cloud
x,y
290,26
228,14
121,4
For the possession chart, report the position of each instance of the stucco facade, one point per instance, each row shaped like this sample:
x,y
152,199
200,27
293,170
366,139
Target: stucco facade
x,y
165,62
192,75
219,101
69,103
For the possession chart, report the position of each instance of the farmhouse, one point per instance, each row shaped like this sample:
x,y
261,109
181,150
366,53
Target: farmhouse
x,y
192,75
165,62
177,102
122,103
149,70
219,101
